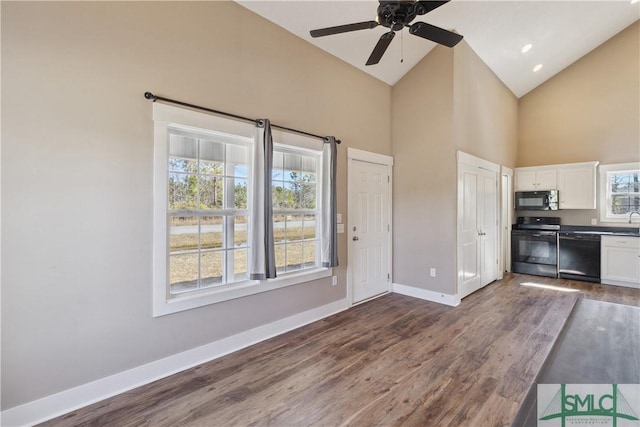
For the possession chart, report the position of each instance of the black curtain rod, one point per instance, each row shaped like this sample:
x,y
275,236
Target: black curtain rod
x,y
155,98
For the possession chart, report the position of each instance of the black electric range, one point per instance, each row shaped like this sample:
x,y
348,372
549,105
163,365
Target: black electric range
x,y
534,246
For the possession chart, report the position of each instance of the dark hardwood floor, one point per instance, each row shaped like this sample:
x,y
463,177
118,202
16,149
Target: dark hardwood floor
x,y
395,360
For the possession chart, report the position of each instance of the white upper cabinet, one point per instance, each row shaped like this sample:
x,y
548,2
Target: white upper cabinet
x,y
576,182
535,178
577,185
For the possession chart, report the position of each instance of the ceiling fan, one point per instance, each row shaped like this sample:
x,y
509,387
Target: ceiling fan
x,y
396,15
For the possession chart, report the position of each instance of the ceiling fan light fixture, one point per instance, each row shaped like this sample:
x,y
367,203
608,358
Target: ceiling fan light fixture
x,y
526,47
537,68
396,15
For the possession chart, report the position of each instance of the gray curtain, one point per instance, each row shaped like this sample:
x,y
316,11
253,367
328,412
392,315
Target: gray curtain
x,y
263,260
329,243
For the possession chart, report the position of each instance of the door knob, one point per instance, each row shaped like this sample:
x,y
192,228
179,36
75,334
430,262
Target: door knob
x,y
355,238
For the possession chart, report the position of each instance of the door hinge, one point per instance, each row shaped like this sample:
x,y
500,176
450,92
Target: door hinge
x,y
388,179
388,227
388,277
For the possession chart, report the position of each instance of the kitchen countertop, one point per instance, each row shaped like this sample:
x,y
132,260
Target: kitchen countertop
x,y
604,231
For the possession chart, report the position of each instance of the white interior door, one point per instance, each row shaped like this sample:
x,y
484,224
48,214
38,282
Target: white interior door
x,y
488,221
369,229
477,224
506,206
469,234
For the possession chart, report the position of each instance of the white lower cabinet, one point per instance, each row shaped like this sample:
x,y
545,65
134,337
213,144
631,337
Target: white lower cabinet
x,y
620,261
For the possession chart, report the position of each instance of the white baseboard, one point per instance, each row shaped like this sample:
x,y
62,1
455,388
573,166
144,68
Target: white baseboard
x,y
69,400
426,294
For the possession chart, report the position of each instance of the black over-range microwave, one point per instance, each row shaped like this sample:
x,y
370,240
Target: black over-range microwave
x,y
536,200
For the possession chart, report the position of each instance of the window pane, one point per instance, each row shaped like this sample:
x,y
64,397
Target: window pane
x,y
294,256
211,232
183,234
240,231
237,159
239,193
182,165
240,257
309,254
211,192
280,250
276,170
183,154
283,196
306,195
293,227
279,230
183,273
292,167
624,204
619,205
309,168
211,168
309,227
182,191
211,268
211,156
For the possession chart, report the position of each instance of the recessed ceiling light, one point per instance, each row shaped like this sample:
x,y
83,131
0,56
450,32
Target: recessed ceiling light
x,y
634,1
526,47
537,68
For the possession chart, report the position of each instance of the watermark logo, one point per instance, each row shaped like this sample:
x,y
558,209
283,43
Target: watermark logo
x,y
562,405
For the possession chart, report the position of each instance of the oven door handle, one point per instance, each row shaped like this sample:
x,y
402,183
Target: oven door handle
x,y
550,236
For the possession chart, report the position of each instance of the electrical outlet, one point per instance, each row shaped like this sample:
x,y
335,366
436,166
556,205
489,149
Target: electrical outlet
x,y
433,272
339,218
594,221
334,280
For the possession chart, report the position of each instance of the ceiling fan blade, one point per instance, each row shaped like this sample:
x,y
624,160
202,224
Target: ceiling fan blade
x,y
343,28
427,6
435,34
380,48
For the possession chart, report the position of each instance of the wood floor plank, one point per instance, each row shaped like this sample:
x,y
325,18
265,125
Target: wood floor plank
x,y
395,360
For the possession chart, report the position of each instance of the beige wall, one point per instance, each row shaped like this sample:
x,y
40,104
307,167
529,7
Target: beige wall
x,y
77,172
590,111
485,110
450,101
424,174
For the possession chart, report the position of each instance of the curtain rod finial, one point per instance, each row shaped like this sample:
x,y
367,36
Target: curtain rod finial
x,y
328,138
149,95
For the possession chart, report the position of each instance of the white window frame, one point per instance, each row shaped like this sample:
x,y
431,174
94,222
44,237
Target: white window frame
x,y
228,213
288,149
166,117
604,193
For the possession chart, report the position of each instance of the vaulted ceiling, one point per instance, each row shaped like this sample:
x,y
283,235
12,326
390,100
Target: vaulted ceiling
x,y
560,32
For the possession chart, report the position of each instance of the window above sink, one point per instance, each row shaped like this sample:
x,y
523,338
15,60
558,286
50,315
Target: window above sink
x,y
619,191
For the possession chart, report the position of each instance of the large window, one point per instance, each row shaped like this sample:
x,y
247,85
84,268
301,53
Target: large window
x,y
207,210
295,213
620,191
202,221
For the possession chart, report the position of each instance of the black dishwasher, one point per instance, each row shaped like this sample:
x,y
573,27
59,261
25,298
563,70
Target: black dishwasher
x,y
579,256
